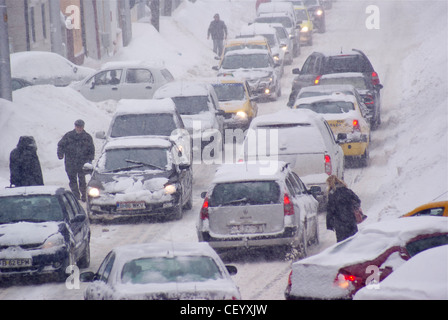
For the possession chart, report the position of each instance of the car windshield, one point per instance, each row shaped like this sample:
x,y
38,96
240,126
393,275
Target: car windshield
x,y
423,244
328,106
178,269
191,105
38,208
307,94
229,91
161,124
301,15
246,61
357,82
242,193
124,159
285,21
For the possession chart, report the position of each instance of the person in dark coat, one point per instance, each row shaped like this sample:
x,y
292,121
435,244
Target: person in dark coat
x,y
24,164
218,31
78,149
341,205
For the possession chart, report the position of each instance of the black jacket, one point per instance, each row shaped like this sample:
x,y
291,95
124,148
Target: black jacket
x,y
24,164
217,29
77,148
340,212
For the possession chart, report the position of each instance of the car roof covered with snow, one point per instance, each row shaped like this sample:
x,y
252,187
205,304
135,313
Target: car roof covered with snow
x,y
140,142
182,89
31,190
249,171
133,64
140,106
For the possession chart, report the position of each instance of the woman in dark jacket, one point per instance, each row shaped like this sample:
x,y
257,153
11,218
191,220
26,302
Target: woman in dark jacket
x,y
24,164
340,209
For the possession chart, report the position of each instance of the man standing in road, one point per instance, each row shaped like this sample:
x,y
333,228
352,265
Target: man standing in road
x,y
78,148
218,31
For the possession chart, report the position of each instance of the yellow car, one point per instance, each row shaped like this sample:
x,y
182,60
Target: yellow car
x,y
344,116
437,209
306,25
257,42
235,99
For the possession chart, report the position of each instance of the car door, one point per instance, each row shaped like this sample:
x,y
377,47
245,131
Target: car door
x,y
77,223
104,85
139,83
99,288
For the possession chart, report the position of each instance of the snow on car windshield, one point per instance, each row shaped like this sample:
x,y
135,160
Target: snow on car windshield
x,y
143,125
328,106
245,61
191,105
285,21
130,158
250,192
39,208
229,91
164,270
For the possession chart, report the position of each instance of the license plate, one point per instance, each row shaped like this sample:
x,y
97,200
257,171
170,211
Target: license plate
x,y
246,229
124,206
15,263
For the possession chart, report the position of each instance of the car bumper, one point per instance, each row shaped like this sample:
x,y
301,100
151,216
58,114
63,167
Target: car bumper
x,y
305,37
354,149
233,122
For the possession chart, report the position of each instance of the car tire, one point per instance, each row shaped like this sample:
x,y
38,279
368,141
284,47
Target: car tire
x,y
177,211
189,204
84,261
69,261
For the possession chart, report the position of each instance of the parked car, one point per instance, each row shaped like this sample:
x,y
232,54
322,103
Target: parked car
x,y
246,208
318,64
369,92
44,230
345,118
124,80
317,10
236,99
437,209
162,271
289,23
41,67
423,277
198,106
365,259
301,138
17,83
137,177
258,67
306,25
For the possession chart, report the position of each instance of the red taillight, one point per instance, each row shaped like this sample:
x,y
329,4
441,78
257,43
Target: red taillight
x,y
356,126
344,280
317,80
289,279
288,207
328,168
375,78
204,210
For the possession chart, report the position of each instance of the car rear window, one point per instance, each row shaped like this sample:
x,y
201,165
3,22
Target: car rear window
x,y
328,107
160,124
242,193
347,63
191,105
358,82
426,243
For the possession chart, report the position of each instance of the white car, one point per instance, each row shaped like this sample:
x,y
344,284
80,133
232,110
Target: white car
x,y
162,271
41,67
301,138
124,80
256,206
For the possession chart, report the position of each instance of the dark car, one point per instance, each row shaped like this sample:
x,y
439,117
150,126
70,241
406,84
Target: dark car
x,y
136,177
318,64
43,230
317,11
17,83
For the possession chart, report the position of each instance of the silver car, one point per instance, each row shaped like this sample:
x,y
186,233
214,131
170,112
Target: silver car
x,y
251,205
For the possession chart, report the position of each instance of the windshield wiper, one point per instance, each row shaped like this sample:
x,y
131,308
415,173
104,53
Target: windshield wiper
x,y
141,163
236,201
125,168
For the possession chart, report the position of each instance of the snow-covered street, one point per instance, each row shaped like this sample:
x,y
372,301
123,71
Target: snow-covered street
x,y
408,159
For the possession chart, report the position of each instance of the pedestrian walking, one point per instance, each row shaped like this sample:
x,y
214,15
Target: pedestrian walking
x,y
78,149
218,31
24,164
341,206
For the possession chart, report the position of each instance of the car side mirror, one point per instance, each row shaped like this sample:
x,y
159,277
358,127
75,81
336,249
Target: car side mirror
x,y
315,191
93,85
79,218
88,276
341,137
215,68
100,135
220,112
87,168
378,86
296,71
232,270
203,194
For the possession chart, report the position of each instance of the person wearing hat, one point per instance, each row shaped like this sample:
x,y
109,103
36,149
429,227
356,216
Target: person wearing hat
x,y
77,148
24,164
218,31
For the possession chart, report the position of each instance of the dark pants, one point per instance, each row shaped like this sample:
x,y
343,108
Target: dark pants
x,y
77,182
218,46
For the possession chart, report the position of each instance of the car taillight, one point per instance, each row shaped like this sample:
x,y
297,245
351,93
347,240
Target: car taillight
x,y
375,78
356,126
289,279
204,210
316,81
288,207
344,280
328,168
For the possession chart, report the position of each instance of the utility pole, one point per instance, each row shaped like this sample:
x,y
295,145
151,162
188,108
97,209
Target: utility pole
x,y
126,25
5,62
155,14
55,27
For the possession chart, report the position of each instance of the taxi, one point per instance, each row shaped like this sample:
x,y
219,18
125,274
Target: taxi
x,y
236,100
257,42
306,25
346,120
437,209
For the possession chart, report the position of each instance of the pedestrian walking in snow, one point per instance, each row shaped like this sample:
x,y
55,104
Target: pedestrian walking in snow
x,y
218,31
341,206
78,149
24,164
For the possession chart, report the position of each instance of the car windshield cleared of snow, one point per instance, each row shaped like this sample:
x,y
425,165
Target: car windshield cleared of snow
x,y
191,105
357,82
124,159
347,63
229,91
308,94
38,208
245,61
328,107
285,21
170,269
143,125
242,193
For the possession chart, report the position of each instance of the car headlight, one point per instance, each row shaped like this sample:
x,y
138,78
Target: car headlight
x,y
93,192
55,240
319,12
304,29
241,115
170,189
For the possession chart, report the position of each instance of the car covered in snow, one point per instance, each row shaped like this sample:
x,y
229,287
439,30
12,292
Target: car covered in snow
x,y
437,209
124,80
365,259
42,67
140,176
254,205
162,271
44,230
345,118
